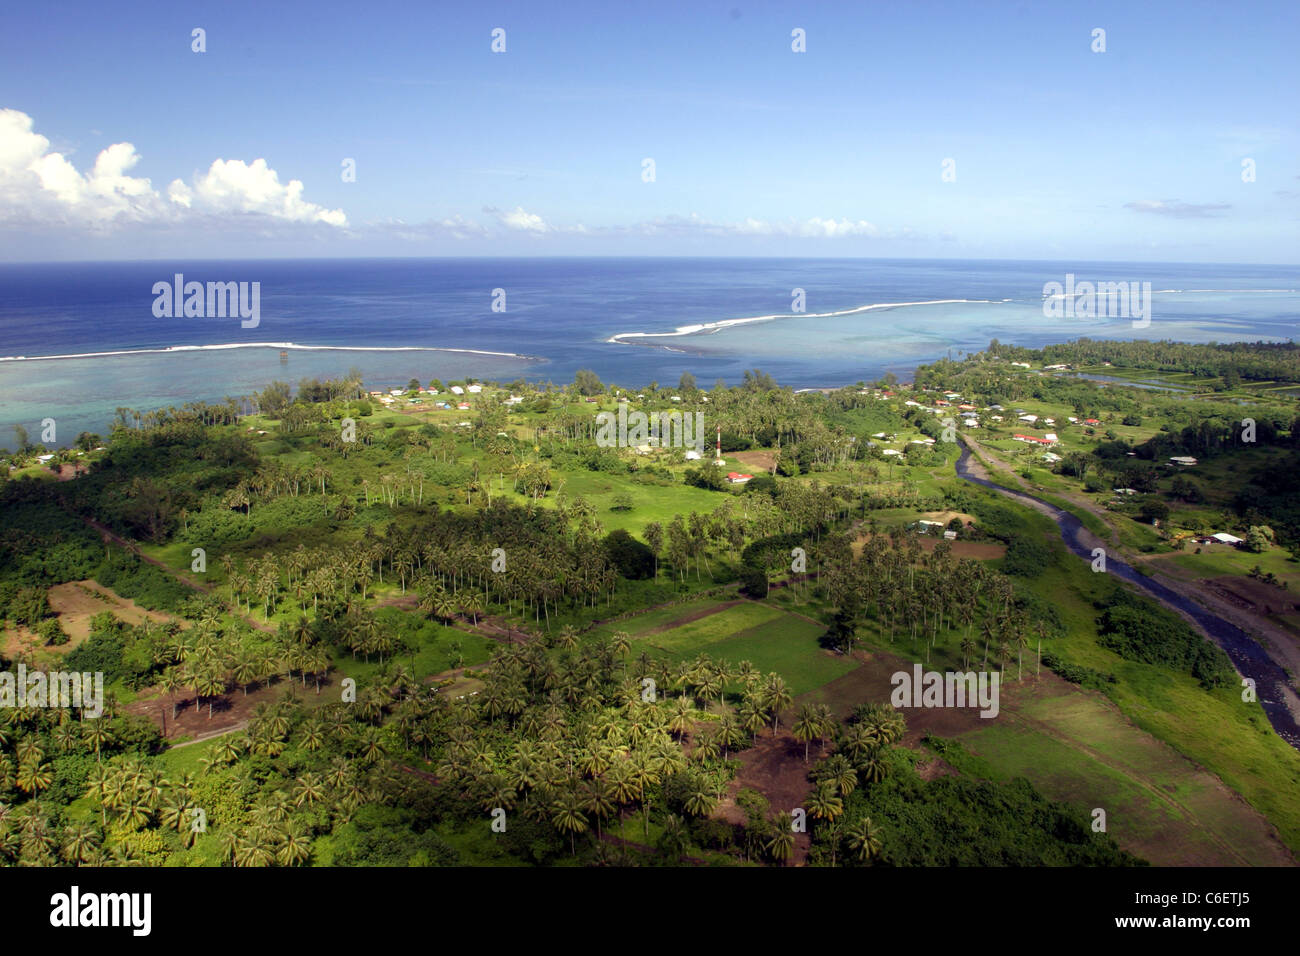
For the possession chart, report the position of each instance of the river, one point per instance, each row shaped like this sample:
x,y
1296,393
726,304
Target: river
x,y
1247,656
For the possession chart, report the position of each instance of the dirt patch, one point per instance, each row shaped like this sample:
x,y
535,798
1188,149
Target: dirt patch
x,y
947,516
977,550
462,687
75,603
934,769
70,470
1252,595
765,460
774,767
229,712
871,684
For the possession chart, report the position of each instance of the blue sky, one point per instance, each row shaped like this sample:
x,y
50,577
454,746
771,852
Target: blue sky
x,y
1058,151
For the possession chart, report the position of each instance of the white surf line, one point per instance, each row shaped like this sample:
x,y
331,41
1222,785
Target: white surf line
x,y
725,323
1103,293
283,346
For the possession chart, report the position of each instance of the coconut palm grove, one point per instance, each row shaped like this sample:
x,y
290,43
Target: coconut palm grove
x,y
346,625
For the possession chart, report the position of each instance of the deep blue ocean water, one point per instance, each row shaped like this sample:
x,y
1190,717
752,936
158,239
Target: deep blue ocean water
x,y
560,314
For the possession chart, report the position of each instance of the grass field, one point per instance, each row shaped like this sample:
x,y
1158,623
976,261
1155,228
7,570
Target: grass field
x,y
770,638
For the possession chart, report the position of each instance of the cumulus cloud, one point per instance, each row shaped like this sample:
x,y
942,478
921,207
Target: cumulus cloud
x,y
1179,210
520,220
38,185
233,186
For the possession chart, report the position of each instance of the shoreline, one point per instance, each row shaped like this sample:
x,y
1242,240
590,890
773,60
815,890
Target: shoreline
x,y
281,346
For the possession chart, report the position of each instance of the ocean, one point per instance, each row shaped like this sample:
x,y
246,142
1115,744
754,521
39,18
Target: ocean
x,y
397,319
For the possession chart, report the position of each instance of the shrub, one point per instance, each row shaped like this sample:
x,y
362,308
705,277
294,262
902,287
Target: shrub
x,y
1027,558
633,559
51,632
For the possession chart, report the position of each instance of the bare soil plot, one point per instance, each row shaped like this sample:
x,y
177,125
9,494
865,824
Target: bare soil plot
x,y
75,603
229,712
977,550
765,460
774,767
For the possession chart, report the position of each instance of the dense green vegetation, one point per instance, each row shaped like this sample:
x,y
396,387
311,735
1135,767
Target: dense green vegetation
x,y
460,621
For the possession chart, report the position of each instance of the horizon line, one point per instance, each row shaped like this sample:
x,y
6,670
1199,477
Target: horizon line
x,y
611,257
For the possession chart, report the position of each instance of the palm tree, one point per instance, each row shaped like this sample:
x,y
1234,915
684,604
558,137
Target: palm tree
x,y
98,736
864,839
568,816
967,648
780,838
245,669
707,746
777,699
673,839
169,684
699,800
80,842
825,802
295,845
806,726
622,647
34,776
472,605
682,718
210,683
302,630
599,800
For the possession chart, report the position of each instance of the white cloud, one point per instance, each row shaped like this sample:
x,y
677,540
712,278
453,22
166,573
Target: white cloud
x,y
1178,210
453,227
814,228
37,185
521,221
233,186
